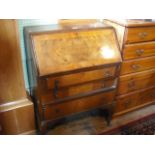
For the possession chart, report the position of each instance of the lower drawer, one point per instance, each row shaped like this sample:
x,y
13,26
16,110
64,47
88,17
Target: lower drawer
x,y
132,101
63,93
136,81
76,106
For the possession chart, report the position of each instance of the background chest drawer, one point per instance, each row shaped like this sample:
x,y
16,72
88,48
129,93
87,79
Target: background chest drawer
x,y
133,100
139,50
52,96
136,81
137,65
140,34
126,102
79,78
75,106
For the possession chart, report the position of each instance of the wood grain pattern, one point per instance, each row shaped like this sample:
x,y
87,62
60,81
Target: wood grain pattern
x,y
71,22
79,78
135,35
138,50
120,31
18,120
132,101
137,65
76,70
137,81
16,110
72,107
48,96
11,74
137,69
133,22
74,50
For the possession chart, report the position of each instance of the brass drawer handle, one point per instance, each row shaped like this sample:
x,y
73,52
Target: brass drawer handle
x,y
153,95
135,67
126,104
139,52
143,34
131,84
57,111
56,88
108,74
103,85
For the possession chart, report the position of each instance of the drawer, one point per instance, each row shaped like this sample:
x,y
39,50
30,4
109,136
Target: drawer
x,y
140,50
51,96
140,34
136,81
79,78
76,106
137,65
134,100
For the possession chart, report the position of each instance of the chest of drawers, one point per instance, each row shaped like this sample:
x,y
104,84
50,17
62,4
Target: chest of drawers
x,y
137,79
71,70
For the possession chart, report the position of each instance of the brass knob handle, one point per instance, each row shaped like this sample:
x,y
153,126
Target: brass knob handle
x,y
131,84
103,85
57,110
153,95
135,67
143,34
107,74
139,52
127,103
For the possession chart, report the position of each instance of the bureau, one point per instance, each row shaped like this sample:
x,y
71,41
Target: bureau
x,y
136,87
71,70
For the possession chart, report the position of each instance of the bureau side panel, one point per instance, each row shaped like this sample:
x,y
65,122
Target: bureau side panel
x,y
120,31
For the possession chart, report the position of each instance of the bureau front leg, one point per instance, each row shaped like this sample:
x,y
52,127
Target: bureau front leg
x,y
107,111
108,115
43,128
43,125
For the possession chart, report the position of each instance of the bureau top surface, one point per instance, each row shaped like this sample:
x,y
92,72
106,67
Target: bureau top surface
x,y
134,22
61,50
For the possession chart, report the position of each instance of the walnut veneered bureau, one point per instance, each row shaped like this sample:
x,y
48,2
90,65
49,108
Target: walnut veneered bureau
x,y
136,86
71,70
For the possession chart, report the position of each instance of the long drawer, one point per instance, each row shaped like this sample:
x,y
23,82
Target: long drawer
x,y
136,81
139,50
79,78
52,96
137,65
140,34
134,100
79,105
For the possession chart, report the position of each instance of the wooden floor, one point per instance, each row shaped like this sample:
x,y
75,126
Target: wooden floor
x,y
92,125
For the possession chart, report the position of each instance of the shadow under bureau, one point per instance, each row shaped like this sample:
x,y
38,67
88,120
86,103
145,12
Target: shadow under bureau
x,y
71,70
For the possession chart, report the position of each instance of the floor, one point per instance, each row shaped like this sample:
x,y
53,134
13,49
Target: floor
x,y
92,125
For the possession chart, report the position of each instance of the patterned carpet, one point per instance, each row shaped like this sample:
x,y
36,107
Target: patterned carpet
x,y
95,125
144,126
139,122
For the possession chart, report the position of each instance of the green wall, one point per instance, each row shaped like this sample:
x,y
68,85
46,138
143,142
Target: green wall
x,y
28,22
